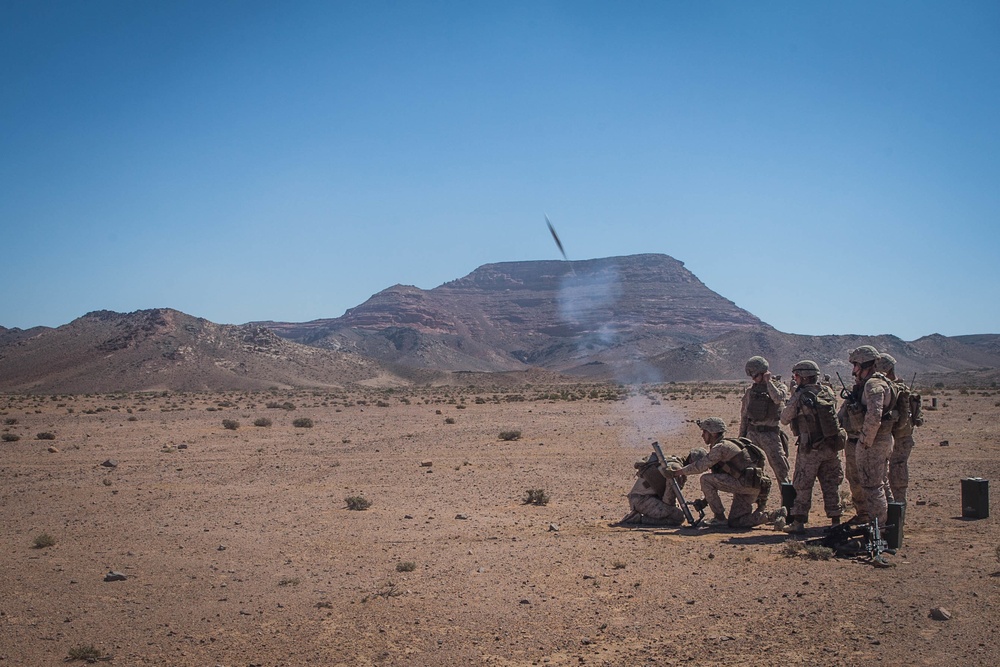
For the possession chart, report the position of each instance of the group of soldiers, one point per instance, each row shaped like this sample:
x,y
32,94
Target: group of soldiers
x,y
873,426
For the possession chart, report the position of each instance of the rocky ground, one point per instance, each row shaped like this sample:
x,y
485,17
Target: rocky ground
x,y
239,549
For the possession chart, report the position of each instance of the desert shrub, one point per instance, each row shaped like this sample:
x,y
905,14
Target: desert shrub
x,y
230,424
262,421
406,566
133,418
303,422
287,405
449,420
88,653
536,497
10,421
510,435
289,581
382,404
10,437
799,549
357,503
46,436
44,540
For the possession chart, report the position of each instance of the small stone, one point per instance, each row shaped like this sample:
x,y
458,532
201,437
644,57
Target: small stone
x,y
940,614
53,450
426,464
553,527
110,463
115,576
945,443
222,547
182,446
462,517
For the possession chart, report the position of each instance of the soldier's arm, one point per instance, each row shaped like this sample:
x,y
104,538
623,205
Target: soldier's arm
x,y
778,392
875,392
744,419
791,410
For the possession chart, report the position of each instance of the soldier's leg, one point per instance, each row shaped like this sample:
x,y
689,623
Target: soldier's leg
x,y
872,462
654,508
806,465
851,472
711,484
831,476
899,467
770,442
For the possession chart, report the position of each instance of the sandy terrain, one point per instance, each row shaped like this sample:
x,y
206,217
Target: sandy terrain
x,y
239,548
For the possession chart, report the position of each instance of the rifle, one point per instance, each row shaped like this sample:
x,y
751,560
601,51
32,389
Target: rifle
x,y
913,381
844,392
685,505
856,538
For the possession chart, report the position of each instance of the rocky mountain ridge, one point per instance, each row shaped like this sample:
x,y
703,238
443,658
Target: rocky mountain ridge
x,y
642,318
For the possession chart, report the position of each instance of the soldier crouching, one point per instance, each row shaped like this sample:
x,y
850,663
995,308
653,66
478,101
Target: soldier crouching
x,y
733,471
652,500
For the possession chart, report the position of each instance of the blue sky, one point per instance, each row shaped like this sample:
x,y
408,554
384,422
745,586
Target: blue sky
x,y
832,167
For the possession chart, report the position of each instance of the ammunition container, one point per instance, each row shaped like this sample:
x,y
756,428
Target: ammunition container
x,y
975,498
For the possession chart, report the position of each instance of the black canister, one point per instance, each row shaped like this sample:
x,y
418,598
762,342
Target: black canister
x,y
975,498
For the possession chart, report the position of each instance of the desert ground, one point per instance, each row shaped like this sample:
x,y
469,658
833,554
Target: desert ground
x,y
238,547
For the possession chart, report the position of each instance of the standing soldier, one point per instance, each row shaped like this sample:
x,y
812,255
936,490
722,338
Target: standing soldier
x,y
867,417
735,470
910,414
759,414
812,415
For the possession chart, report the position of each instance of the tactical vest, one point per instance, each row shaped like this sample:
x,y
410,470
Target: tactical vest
x,y
760,407
747,466
651,475
816,423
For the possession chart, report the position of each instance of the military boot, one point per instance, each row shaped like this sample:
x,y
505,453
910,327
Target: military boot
x,y
776,518
795,528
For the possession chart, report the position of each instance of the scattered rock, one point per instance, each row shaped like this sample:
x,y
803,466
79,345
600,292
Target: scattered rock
x,y
945,443
462,516
182,446
222,547
426,464
553,527
115,576
53,450
940,614
110,463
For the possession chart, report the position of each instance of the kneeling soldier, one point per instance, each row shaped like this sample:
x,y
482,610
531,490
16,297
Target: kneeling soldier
x,y
736,469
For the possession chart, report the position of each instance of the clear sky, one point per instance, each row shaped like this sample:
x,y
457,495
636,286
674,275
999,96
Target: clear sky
x,y
832,167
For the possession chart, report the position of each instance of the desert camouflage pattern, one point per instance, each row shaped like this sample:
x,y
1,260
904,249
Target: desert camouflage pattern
x,y
871,453
741,514
761,427
645,499
812,463
899,467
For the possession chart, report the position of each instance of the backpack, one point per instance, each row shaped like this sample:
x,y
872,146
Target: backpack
x,y
758,458
824,409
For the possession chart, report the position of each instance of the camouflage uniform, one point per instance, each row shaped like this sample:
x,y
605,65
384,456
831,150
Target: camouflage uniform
x,y
813,459
759,415
871,452
902,445
724,456
653,496
910,415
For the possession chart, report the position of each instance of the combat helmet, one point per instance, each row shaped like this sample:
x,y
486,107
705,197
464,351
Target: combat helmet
x,y
756,366
712,425
806,367
863,355
695,455
885,363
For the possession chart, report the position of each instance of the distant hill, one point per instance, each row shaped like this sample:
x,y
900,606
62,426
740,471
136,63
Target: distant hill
x,y
550,314
642,318
161,349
